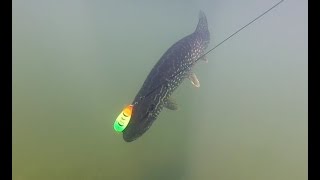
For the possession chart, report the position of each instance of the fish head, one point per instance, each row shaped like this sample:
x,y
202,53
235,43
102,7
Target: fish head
x,y
143,115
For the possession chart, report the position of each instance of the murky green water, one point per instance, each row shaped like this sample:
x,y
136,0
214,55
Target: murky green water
x,y
76,64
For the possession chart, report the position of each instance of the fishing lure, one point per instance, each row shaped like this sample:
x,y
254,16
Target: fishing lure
x,y
123,119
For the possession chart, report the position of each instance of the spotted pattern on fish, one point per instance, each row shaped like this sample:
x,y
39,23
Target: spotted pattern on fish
x,y
168,73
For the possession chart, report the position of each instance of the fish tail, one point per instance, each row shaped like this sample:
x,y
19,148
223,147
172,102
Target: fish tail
x,y
202,24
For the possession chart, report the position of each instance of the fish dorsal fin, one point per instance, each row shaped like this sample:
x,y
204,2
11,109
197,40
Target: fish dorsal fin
x,y
194,80
171,104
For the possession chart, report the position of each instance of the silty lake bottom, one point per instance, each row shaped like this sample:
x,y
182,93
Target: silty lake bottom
x,y
77,64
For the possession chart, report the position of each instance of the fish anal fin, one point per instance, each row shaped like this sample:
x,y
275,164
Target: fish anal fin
x,y
194,80
171,104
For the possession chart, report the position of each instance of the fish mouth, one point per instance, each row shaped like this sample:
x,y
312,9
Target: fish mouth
x,y
137,127
129,138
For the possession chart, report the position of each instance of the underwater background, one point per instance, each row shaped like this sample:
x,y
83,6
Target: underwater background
x,y
77,64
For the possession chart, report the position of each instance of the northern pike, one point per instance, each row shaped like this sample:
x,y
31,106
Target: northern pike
x,y
174,66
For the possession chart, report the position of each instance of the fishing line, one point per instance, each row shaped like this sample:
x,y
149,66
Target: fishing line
x,y
236,32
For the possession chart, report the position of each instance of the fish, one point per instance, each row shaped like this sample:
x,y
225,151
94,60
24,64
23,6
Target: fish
x,y
168,73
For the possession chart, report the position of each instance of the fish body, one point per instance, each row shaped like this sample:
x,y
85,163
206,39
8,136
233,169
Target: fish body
x,y
168,73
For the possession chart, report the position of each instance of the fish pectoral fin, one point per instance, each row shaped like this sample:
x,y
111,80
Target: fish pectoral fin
x,y
194,80
171,104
